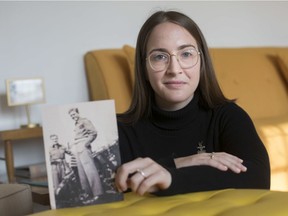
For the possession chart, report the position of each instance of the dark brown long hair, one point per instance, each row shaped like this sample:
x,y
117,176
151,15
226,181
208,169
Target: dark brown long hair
x,y
210,92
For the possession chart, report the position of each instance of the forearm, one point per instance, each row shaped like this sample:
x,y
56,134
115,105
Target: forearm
x,y
220,160
204,178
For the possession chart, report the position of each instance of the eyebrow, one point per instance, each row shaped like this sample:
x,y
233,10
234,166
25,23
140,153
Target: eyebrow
x,y
165,50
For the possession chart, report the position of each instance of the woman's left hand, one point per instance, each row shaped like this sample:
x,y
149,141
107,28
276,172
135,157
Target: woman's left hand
x,y
219,160
142,175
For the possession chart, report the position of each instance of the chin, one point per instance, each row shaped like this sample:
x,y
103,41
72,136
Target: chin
x,y
180,98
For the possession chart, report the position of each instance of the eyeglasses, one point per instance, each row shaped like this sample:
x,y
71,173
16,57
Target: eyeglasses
x,y
187,58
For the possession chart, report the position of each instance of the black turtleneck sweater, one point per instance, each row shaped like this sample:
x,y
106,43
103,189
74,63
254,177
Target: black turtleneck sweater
x,y
184,132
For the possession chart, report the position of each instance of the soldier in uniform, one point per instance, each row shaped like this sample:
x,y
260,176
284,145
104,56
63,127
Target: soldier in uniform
x,y
59,165
84,134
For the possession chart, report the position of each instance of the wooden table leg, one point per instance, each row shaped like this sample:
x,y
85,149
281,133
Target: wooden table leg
x,y
9,161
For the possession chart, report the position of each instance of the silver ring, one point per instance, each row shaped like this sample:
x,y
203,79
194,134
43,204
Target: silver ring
x,y
141,173
212,155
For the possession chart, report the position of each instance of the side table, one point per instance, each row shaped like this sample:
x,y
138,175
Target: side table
x,y
18,134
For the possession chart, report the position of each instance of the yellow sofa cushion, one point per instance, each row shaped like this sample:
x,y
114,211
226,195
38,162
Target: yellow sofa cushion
x,y
234,202
250,76
274,134
283,67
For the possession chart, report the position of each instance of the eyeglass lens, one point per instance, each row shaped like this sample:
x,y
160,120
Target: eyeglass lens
x,y
186,58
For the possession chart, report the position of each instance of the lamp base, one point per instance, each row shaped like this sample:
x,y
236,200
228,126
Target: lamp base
x,y
31,125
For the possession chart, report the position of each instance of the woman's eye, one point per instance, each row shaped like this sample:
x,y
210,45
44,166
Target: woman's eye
x,y
186,54
159,57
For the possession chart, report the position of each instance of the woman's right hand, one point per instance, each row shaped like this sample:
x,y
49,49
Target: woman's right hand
x,y
142,175
219,160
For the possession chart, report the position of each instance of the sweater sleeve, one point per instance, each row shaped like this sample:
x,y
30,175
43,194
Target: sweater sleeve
x,y
238,137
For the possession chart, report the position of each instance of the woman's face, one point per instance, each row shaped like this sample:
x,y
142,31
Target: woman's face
x,y
175,84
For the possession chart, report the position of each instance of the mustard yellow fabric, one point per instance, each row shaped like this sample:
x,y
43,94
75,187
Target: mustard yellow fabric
x,y
249,75
280,61
130,56
274,134
283,56
230,202
108,77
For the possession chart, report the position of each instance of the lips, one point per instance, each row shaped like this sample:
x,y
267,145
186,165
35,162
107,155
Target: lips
x,y
174,84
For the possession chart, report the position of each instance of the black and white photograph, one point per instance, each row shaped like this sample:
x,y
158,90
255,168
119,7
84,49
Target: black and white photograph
x,y
82,153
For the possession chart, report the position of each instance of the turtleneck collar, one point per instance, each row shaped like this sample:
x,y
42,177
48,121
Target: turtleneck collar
x,y
174,120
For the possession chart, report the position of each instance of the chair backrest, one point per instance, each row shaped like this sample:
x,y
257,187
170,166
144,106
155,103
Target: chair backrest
x,y
109,77
252,76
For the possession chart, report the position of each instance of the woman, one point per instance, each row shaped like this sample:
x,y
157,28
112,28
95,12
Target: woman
x,y
180,133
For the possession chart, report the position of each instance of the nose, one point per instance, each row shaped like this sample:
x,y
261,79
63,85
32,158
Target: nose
x,y
174,66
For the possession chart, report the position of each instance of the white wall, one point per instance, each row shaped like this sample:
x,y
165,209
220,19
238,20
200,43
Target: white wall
x,y
49,39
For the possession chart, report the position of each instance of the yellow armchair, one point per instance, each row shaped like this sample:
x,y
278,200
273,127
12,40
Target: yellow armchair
x,y
256,77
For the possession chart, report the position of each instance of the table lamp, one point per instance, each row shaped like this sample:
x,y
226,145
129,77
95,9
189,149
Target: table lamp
x,y
24,92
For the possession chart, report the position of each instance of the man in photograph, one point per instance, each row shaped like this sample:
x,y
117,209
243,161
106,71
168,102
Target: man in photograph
x,y
84,134
59,165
